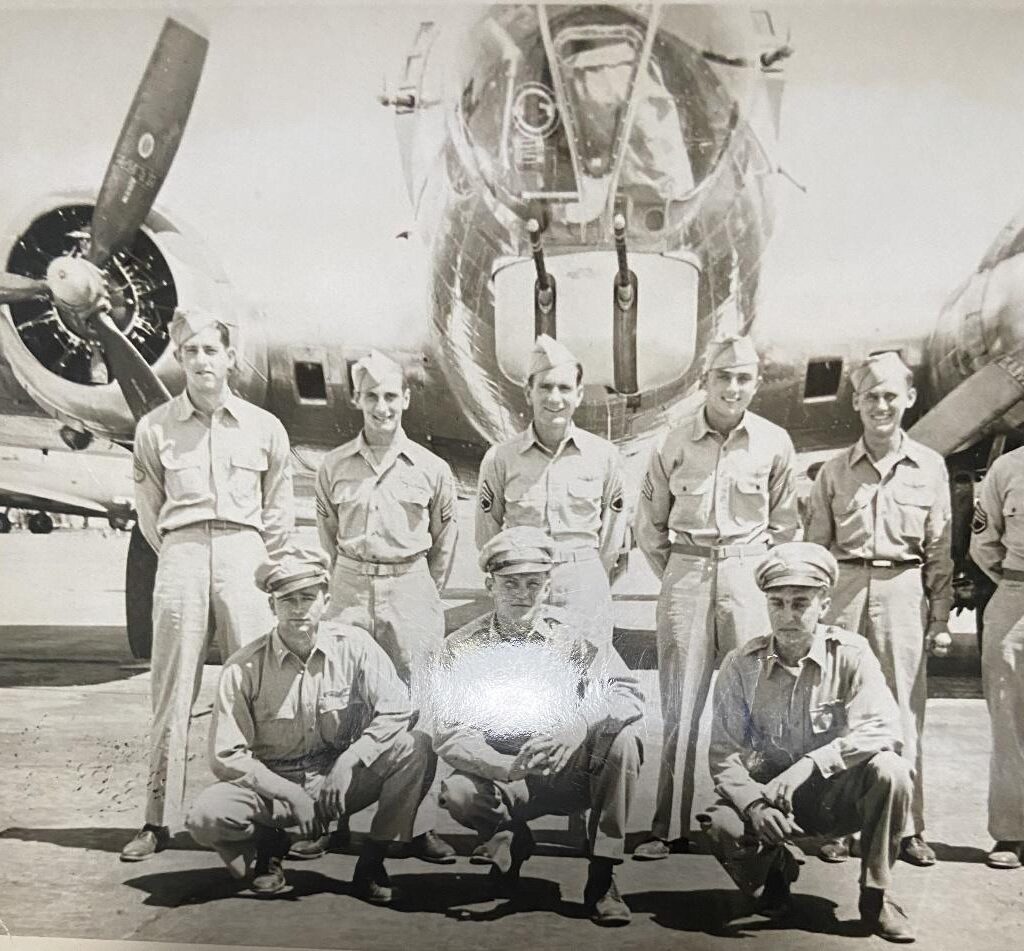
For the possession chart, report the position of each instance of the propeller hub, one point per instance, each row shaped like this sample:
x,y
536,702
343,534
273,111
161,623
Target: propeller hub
x,y
77,287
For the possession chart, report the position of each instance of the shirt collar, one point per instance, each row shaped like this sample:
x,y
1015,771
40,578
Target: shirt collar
x,y
398,447
818,653
280,649
529,438
701,427
908,449
184,407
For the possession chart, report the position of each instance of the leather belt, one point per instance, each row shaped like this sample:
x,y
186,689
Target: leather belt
x,y
881,562
718,552
576,554
1012,574
217,524
378,568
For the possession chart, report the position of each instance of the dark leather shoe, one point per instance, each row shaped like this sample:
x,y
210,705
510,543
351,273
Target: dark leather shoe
x,y
506,850
655,848
884,917
268,872
602,899
915,851
370,882
834,850
308,849
148,840
430,847
1006,855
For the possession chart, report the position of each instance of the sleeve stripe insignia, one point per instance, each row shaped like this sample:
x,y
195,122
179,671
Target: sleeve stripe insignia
x,y
486,496
446,512
648,488
980,521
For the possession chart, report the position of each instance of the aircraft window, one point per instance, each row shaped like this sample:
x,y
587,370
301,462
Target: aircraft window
x,y
823,377
309,381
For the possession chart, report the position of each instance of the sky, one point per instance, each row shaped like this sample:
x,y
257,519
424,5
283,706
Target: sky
x,y
902,120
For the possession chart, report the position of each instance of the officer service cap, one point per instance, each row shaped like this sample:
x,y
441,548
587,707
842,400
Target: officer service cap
x,y
515,551
548,353
297,568
374,369
731,351
188,321
880,368
803,564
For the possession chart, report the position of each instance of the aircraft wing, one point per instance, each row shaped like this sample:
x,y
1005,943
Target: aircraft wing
x,y
70,485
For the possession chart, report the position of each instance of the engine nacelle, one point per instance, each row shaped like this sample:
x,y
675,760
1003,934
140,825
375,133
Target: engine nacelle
x,y
166,266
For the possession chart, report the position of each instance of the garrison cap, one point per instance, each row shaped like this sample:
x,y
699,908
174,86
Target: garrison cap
x,y
803,564
879,369
298,568
516,551
548,353
188,321
731,351
373,369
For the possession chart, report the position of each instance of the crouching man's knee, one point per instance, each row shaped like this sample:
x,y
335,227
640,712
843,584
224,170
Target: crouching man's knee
x,y
459,794
891,771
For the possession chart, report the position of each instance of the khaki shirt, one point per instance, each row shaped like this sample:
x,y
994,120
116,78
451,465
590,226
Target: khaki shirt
x,y
997,530
476,691
275,714
575,493
857,512
710,489
836,709
236,468
392,512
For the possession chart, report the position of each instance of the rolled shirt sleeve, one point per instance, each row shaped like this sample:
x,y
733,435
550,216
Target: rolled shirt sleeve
x,y
987,527
651,523
614,517
148,474
278,496
937,571
444,529
490,503
783,517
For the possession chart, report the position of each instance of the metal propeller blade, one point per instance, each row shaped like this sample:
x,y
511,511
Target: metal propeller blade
x,y
142,388
15,288
149,139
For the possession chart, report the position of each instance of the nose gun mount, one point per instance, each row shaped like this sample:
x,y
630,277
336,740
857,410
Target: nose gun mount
x,y
544,288
624,315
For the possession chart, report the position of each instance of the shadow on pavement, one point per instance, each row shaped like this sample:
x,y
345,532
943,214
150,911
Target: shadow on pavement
x,y
727,913
94,839
958,853
447,894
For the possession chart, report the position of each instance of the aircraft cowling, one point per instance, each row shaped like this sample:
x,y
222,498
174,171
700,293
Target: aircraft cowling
x,y
664,136
975,356
166,266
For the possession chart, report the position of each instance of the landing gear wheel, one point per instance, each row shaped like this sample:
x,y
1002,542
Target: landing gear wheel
x,y
40,524
139,579
5,523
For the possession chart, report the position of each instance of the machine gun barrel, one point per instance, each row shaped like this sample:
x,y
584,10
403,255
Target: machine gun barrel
x,y
544,290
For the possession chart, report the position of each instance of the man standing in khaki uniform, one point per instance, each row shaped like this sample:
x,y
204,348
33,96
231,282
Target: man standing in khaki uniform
x,y
997,547
213,492
385,509
882,508
311,722
722,483
564,480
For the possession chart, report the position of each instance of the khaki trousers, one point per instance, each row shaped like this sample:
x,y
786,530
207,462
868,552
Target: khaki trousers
x,y
582,590
706,608
402,612
601,776
204,583
224,816
873,797
1002,678
889,608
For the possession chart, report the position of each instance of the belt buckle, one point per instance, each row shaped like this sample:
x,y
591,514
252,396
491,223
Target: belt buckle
x,y
882,563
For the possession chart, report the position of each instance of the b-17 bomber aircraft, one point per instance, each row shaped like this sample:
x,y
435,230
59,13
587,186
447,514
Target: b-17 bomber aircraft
x,y
606,174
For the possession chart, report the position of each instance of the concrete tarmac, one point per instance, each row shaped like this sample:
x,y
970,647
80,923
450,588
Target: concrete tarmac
x,y
73,723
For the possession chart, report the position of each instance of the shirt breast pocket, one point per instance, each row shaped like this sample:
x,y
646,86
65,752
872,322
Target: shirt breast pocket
x,y
852,511
912,500
186,476
413,493
690,490
247,468
750,498
584,496
829,717
1013,518
525,504
345,494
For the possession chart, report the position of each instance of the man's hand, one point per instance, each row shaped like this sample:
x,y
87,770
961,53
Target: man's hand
x,y
302,812
549,753
331,804
780,791
937,639
771,825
